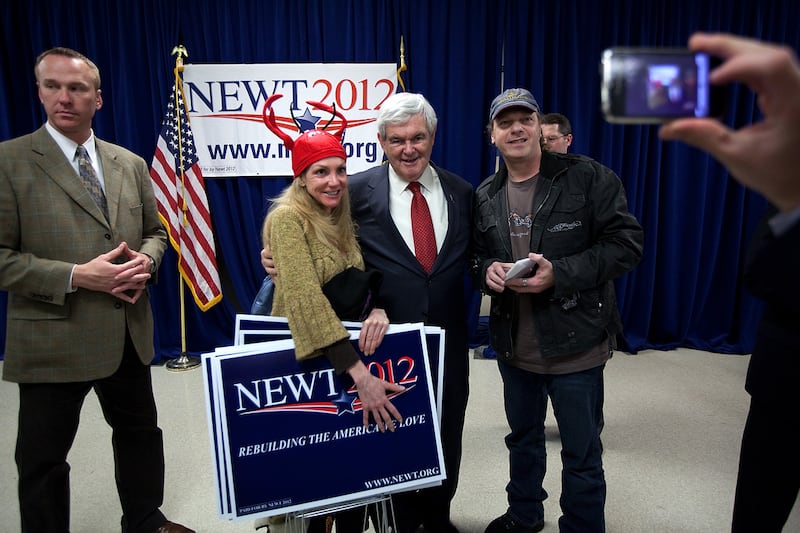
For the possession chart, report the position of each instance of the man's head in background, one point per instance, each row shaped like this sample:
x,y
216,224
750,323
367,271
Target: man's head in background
x,y
556,133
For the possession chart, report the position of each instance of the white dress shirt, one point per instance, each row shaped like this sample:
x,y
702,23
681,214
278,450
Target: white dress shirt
x,y
68,146
400,205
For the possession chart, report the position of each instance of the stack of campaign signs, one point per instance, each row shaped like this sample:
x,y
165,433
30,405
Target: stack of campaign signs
x,y
287,437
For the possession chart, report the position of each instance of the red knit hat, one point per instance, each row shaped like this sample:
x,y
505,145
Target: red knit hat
x,y
312,145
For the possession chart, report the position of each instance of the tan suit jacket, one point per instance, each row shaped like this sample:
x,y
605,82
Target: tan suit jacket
x,y
48,223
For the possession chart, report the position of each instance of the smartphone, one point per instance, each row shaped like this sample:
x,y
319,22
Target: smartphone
x,y
651,85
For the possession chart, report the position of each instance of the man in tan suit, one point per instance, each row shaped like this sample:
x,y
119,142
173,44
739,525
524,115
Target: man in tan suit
x,y
75,266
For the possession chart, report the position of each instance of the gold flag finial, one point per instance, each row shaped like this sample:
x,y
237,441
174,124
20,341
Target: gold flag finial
x,y
179,52
402,67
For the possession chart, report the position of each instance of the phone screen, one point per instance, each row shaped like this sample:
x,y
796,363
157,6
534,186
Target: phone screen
x,y
653,85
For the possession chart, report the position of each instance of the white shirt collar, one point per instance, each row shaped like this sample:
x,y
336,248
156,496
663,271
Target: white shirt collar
x,y
398,185
68,146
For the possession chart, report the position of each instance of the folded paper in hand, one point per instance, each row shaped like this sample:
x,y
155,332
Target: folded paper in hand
x,y
522,268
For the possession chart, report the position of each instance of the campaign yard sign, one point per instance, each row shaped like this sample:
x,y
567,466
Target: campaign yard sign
x,y
262,328
288,436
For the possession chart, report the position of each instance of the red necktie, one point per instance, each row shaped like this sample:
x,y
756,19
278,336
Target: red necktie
x,y
422,227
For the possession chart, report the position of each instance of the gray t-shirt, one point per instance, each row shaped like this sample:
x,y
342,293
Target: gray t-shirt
x,y
521,199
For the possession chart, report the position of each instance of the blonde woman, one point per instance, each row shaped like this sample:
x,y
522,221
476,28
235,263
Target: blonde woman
x,y
312,239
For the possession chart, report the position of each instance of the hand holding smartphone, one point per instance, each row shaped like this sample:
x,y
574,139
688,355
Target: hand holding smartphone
x,y
652,85
522,269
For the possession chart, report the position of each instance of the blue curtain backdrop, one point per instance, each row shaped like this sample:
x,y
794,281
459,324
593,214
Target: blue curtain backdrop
x,y
460,53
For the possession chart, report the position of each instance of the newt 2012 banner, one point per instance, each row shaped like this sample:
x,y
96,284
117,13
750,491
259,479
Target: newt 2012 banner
x,y
288,437
226,109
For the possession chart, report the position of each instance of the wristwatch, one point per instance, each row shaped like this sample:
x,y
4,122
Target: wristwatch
x,y
152,265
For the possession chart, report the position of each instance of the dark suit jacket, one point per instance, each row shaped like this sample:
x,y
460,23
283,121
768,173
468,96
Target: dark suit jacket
x,y
48,223
408,293
773,275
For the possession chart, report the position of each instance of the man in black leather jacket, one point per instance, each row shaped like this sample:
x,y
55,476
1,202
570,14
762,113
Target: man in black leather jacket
x,y
553,329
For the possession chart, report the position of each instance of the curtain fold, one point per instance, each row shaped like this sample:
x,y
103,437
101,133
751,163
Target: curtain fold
x,y
459,53
686,291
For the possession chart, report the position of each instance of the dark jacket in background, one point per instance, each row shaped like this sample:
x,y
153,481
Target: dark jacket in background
x,y
772,274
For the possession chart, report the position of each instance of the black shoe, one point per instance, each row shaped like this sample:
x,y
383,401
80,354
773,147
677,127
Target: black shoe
x,y
506,524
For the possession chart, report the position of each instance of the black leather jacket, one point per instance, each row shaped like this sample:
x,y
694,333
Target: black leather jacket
x,y
582,226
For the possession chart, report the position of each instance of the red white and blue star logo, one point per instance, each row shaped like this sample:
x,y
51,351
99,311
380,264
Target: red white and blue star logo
x,y
345,402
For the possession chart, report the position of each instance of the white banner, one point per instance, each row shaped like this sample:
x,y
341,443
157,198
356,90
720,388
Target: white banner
x,y
226,105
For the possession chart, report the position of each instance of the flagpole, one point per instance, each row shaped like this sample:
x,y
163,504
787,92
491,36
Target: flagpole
x,y
502,88
184,361
402,68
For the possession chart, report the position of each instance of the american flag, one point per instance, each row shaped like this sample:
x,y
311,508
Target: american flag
x,y
182,202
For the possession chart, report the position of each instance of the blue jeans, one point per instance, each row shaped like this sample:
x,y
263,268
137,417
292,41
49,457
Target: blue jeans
x,y
577,404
